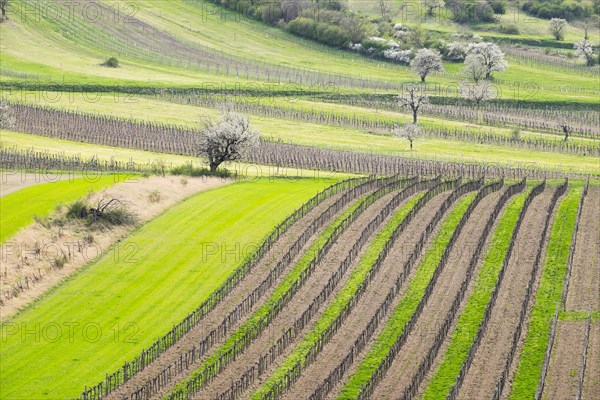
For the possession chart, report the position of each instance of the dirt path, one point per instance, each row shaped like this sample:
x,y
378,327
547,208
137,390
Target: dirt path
x,y
584,287
26,274
12,181
376,292
298,304
591,384
245,287
407,362
565,363
491,356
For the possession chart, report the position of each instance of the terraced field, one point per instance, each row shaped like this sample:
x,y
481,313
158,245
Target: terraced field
x,y
338,258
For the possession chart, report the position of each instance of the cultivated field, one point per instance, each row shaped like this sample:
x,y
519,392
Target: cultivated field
x,y
275,214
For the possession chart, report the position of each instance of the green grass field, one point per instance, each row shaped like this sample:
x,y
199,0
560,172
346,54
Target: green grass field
x,y
403,312
20,207
140,288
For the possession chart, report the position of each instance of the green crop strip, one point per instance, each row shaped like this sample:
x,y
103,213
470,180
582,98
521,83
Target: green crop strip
x,y
339,302
547,296
474,311
409,302
302,264
20,208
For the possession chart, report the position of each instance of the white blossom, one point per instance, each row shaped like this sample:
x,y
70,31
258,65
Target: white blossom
x,y
425,62
557,27
585,51
485,58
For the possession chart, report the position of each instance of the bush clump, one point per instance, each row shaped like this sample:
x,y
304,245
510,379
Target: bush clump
x,y
112,63
190,170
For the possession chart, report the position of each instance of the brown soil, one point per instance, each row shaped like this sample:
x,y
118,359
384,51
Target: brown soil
x,y
490,358
584,287
246,286
298,304
22,262
563,373
11,182
591,383
412,354
376,292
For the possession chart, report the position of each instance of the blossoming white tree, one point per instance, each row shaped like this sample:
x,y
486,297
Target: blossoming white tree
x,y
425,62
477,92
227,139
483,59
557,27
7,116
585,51
409,131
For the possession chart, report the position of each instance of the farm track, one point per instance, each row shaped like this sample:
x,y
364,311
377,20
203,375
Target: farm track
x,y
490,359
244,288
297,305
377,290
565,363
422,337
585,276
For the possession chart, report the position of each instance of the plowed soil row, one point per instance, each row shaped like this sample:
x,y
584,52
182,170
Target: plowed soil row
x,y
489,361
584,287
422,337
297,305
565,363
341,343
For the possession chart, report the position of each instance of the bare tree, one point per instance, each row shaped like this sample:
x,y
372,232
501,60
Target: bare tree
x,y
228,139
477,92
3,8
557,27
7,116
409,132
385,10
484,58
425,62
564,125
415,99
431,5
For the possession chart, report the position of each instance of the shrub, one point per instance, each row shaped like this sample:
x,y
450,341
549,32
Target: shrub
x,y
77,210
509,29
190,170
154,196
112,63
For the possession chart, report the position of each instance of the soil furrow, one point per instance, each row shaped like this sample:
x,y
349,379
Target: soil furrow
x,y
296,307
339,345
244,288
565,363
591,383
490,359
407,362
584,287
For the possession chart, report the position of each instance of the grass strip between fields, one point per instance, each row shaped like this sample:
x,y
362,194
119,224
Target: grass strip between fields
x,y
302,264
409,302
20,208
339,302
547,296
473,313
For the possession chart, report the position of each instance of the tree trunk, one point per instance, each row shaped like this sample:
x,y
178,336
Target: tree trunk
x,y
414,116
423,78
213,167
411,145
